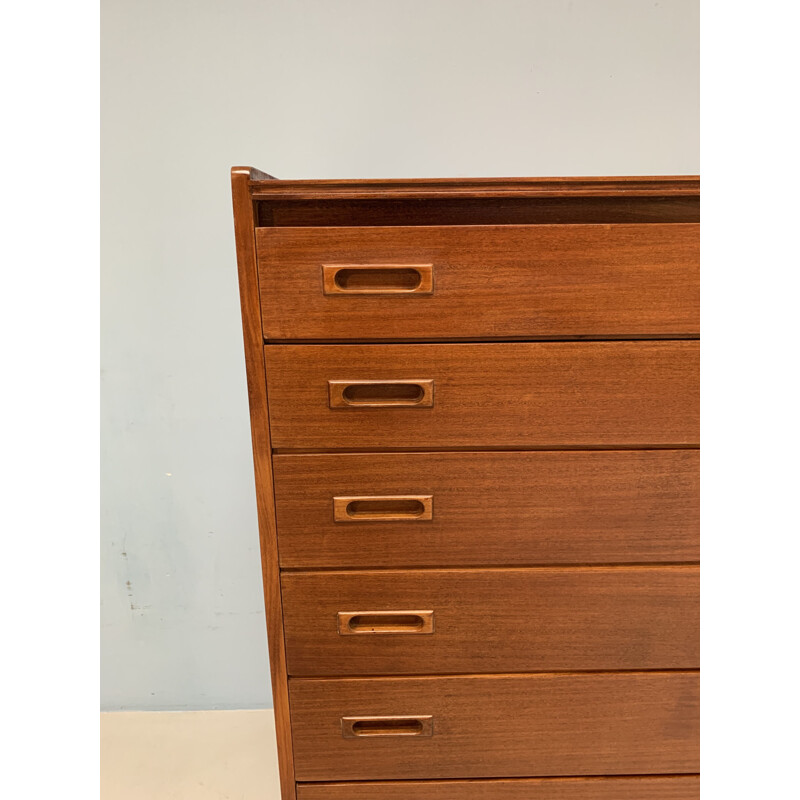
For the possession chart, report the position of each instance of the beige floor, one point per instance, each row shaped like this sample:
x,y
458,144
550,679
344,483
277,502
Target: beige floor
x,y
193,755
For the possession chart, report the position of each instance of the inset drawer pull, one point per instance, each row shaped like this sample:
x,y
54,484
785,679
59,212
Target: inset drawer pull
x,y
379,394
370,622
356,727
390,508
377,279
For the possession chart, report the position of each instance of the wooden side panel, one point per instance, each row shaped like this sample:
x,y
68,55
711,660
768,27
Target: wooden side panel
x,y
541,394
503,620
663,787
259,424
500,726
506,281
557,507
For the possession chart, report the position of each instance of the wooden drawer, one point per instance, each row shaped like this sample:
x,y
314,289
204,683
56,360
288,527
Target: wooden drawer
x,y
663,787
557,507
480,281
395,622
565,394
495,726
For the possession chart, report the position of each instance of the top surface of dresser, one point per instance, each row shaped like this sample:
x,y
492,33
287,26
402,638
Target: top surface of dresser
x,y
509,259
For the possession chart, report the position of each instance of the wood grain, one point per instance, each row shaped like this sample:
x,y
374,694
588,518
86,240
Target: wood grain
x,y
510,259
629,186
501,726
502,620
505,281
662,787
259,425
555,507
540,394
445,210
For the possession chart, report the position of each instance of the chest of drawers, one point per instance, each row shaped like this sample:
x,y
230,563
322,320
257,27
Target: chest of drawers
x,y
474,408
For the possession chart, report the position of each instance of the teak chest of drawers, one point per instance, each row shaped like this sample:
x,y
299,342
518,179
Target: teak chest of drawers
x,y
475,414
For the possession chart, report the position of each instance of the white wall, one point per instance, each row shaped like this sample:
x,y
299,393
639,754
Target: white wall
x,y
304,89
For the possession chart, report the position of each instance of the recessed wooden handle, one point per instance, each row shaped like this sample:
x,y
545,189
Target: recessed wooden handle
x,y
379,394
388,508
393,279
357,727
356,623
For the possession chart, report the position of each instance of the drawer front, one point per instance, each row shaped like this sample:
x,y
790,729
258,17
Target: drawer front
x,y
394,622
541,394
558,507
663,787
479,281
495,726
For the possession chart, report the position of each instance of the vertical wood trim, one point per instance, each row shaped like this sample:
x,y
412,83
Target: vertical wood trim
x,y
244,225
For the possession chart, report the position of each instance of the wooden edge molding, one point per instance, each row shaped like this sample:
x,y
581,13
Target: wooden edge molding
x,y
244,228
653,185
614,787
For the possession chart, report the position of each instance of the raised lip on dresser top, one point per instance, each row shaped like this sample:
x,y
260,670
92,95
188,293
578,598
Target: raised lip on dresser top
x,y
264,186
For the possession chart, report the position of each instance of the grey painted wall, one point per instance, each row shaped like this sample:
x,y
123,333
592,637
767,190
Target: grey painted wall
x,y
304,89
